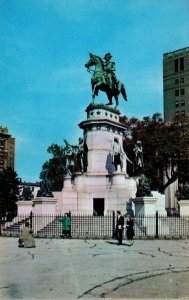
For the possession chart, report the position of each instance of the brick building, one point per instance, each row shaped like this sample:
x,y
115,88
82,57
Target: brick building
x,y
7,149
176,83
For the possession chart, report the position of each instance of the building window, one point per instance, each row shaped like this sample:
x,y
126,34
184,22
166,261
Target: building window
x,y
176,92
183,112
182,91
176,81
177,103
182,102
177,113
176,65
2,142
182,64
182,80
179,64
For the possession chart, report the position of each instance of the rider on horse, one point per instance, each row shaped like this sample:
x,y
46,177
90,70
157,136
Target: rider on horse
x,y
104,78
109,69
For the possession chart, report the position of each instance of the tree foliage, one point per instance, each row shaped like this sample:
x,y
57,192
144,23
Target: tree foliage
x,y
9,189
165,147
52,172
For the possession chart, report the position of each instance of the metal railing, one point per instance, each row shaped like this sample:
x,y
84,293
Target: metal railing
x,y
89,226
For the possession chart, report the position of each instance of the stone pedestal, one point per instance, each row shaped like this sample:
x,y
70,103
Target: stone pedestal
x,y
24,207
145,205
160,204
101,187
184,207
100,129
44,205
171,204
118,180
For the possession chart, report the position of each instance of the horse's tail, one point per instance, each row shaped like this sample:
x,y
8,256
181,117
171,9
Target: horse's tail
x,y
123,91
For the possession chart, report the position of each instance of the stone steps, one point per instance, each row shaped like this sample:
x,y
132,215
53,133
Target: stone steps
x,y
15,227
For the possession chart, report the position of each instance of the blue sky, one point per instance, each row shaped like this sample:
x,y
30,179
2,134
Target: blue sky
x,y
44,45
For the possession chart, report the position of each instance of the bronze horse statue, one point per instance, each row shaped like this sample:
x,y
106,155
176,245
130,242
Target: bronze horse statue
x,y
99,81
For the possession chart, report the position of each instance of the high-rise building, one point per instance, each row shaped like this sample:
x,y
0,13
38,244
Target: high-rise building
x,y
176,83
7,149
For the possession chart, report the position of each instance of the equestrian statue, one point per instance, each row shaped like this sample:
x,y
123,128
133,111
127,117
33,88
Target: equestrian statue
x,y
104,78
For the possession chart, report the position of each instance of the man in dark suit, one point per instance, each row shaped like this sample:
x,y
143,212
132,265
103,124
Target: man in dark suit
x,y
119,227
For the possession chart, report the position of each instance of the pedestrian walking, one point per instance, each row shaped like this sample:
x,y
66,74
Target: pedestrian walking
x,y
119,227
130,229
26,239
66,225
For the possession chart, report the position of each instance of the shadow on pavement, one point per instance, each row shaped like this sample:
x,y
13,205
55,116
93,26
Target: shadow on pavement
x,y
116,243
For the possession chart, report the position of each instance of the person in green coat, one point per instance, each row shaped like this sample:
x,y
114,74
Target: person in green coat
x,y
66,225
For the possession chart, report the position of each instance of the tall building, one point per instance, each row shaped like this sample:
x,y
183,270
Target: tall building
x,y
176,83
7,149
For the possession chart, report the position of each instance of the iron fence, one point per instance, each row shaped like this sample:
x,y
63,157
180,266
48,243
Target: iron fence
x,y
89,226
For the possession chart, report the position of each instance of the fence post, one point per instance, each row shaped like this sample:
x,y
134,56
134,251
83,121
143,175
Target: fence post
x,y
157,236
113,224
0,223
70,234
31,215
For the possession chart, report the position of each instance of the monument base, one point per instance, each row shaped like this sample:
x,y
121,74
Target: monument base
x,y
97,194
101,189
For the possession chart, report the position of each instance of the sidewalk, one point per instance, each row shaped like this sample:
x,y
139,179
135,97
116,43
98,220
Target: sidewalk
x,y
90,269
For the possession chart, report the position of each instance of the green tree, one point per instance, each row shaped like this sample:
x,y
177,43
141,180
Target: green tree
x,y
165,146
52,173
9,189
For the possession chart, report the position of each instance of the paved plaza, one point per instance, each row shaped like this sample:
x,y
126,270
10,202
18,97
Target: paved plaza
x,y
62,269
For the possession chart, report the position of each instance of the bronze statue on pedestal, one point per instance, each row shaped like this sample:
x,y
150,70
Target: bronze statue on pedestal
x,y
104,78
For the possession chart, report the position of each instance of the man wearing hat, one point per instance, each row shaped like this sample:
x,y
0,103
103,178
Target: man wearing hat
x,y
109,68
